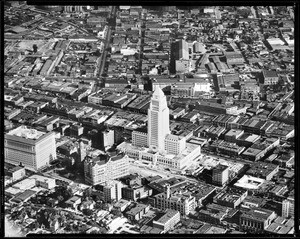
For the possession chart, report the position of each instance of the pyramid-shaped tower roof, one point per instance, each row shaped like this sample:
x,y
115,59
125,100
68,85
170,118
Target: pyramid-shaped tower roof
x,y
158,92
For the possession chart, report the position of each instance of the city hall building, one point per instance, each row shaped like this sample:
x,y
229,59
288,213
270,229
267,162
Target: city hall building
x,y
158,145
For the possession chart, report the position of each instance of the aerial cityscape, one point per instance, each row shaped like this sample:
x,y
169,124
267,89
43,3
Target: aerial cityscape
x,y
148,119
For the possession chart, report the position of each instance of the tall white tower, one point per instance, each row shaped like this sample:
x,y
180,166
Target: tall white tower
x,y
158,120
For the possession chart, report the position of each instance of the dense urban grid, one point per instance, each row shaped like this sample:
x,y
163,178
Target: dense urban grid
x,y
148,120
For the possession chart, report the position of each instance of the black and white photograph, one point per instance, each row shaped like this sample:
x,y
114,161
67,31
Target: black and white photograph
x,y
132,119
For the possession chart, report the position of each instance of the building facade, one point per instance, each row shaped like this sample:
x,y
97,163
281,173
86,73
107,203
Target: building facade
x,y
159,146
108,138
256,220
158,120
288,207
220,175
29,147
175,200
97,170
168,220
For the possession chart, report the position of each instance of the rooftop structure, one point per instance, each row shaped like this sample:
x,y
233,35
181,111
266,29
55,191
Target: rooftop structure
x,y
26,133
249,182
29,147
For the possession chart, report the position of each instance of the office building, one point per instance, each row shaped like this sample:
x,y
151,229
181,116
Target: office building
x,y
107,138
220,175
104,168
29,147
112,190
183,50
288,207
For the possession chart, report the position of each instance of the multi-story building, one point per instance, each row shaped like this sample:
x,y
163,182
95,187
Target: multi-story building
x,y
29,147
168,220
102,168
220,175
256,220
158,145
108,138
182,202
182,50
112,191
138,211
174,144
288,207
231,197
140,138
158,121
15,172
73,9
136,192
270,77
263,170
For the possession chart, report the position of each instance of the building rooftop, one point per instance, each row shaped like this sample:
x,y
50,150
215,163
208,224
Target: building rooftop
x,y
261,169
230,195
137,209
215,230
234,132
261,214
167,216
249,182
25,195
267,73
220,167
27,133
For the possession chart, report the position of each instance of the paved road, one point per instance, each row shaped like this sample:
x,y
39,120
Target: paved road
x,y
143,169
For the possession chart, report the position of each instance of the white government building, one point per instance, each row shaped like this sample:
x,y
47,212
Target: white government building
x,y
159,146
32,148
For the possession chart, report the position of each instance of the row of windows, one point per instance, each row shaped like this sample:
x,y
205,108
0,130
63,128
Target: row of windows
x,y
19,145
251,224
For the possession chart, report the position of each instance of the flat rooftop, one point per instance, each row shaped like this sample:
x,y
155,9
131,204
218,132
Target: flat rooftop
x,y
27,133
167,216
249,182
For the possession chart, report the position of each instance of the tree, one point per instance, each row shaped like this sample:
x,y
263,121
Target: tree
x,y
87,212
34,48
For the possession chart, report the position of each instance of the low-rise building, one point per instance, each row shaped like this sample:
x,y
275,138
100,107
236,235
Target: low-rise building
x,y
73,202
122,204
256,220
167,221
231,197
281,226
263,170
44,182
15,172
138,211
